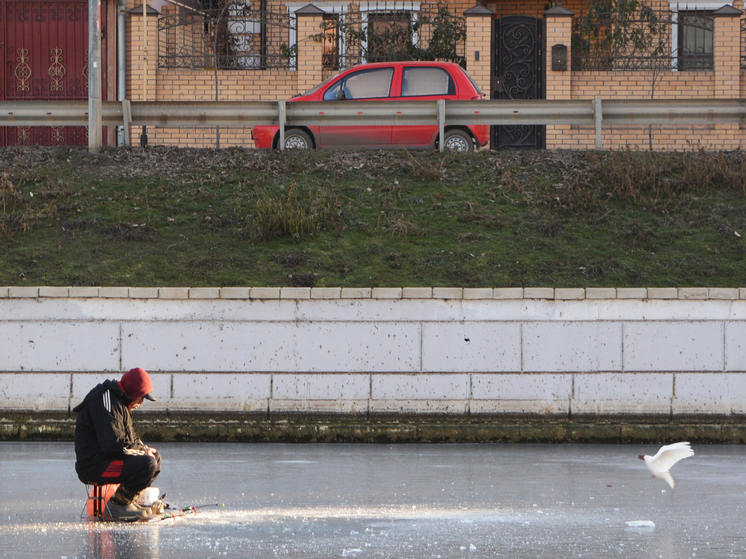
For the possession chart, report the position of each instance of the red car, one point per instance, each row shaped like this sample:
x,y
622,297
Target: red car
x,y
394,81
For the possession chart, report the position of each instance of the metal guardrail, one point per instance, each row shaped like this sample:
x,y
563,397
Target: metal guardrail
x,y
596,112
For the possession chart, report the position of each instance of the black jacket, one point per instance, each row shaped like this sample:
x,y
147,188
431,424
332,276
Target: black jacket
x,y
103,431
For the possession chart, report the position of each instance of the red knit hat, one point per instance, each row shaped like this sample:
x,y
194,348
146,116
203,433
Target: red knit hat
x,y
136,383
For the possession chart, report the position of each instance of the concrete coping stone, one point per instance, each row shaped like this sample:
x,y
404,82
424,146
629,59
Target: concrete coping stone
x,y
332,293
83,292
234,292
173,293
693,293
143,292
417,292
632,293
448,293
600,292
295,293
386,293
22,292
264,292
204,293
356,293
471,293
569,293
538,293
508,293
47,291
663,293
728,293
114,292
326,292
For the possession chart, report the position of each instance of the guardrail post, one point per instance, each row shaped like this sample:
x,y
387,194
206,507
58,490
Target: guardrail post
x,y
442,124
126,120
598,116
281,118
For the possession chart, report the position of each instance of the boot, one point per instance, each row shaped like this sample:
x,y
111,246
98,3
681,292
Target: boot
x,y
122,506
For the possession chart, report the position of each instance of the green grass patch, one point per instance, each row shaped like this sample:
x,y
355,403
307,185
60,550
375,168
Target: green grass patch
x,y
171,217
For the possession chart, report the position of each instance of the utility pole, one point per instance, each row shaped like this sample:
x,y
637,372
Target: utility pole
x,y
95,136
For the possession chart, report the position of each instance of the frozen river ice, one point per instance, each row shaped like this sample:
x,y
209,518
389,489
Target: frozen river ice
x,y
398,501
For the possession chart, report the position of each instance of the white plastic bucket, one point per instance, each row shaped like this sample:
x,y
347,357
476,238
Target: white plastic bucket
x,y
148,497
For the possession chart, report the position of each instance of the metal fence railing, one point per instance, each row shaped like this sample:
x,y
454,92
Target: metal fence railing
x,y
643,38
389,31
596,112
233,37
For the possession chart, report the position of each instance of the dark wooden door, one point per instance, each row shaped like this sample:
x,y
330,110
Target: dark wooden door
x,y
518,73
44,48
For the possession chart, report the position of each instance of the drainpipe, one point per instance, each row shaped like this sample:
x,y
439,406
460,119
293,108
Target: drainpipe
x,y
121,66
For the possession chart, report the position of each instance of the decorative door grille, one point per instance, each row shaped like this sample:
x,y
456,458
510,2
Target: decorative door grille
x,y
518,73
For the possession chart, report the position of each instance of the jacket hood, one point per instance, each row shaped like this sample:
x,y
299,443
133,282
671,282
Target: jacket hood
x,y
99,389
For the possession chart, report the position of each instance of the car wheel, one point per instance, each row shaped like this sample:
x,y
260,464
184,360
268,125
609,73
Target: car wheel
x,y
297,139
458,140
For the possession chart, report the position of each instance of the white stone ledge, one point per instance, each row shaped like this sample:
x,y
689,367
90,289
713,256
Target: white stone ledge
x,y
444,293
204,293
17,292
54,291
173,293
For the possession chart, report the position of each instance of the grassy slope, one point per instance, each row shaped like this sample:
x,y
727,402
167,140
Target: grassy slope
x,y
166,217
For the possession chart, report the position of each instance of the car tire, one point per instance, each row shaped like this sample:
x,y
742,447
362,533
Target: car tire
x,y
298,139
458,140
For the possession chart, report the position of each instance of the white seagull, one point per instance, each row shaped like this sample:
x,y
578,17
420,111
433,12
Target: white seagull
x,y
664,460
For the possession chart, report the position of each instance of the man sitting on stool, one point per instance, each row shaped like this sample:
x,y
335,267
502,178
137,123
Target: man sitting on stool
x,y
106,447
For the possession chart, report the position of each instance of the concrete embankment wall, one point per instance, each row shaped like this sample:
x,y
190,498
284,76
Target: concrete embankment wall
x,y
383,364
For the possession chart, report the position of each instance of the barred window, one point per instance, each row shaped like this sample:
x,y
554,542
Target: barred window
x,y
388,32
331,42
695,41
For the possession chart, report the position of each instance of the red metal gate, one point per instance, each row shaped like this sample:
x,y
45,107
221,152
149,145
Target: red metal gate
x,y
44,49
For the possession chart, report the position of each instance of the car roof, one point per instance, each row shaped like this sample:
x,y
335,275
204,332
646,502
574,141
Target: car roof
x,y
402,63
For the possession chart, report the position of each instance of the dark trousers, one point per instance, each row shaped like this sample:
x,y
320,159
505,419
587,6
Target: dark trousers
x,y
133,472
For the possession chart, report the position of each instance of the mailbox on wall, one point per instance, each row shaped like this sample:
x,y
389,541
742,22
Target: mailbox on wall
x,y
559,58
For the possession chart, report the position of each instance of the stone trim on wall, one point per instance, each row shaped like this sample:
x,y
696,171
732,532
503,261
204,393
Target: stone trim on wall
x,y
446,293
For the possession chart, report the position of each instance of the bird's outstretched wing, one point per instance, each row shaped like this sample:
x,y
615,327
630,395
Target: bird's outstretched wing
x,y
668,455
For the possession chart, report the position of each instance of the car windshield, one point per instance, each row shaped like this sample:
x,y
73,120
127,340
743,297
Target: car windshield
x,y
317,87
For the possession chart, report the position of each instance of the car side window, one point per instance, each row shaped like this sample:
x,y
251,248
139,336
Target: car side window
x,y
366,84
426,81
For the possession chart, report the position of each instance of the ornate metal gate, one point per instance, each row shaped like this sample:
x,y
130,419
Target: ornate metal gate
x,y
518,73
44,50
